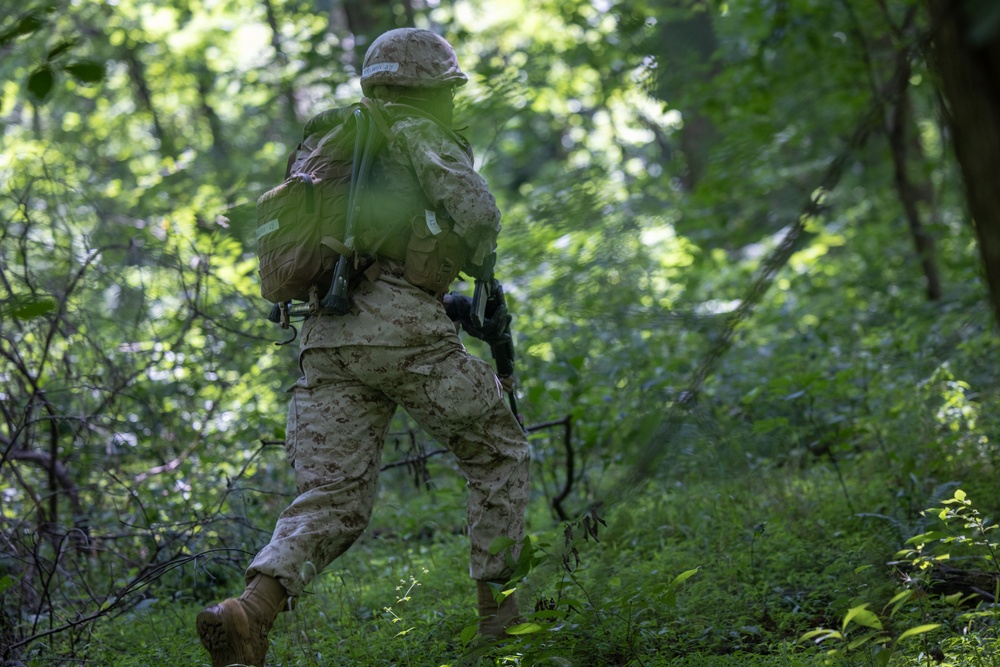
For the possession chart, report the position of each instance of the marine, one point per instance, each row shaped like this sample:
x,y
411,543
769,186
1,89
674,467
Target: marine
x,y
396,347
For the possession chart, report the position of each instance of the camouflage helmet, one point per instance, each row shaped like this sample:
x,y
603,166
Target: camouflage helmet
x,y
411,58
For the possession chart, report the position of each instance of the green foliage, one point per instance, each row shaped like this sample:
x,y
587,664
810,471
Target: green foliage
x,y
961,526
647,157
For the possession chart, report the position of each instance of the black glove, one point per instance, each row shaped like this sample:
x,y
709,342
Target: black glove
x,y
495,327
459,309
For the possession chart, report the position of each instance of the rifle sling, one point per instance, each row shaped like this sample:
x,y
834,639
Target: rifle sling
x,y
336,246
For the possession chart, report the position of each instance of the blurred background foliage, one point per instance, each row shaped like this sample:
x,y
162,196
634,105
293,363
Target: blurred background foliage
x,y
649,156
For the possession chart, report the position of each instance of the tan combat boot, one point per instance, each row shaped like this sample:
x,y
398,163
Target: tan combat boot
x,y
494,619
234,632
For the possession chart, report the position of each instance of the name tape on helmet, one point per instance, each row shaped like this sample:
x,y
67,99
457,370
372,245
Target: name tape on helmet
x,y
381,67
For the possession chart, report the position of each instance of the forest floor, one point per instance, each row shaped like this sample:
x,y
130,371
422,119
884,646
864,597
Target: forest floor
x,y
730,572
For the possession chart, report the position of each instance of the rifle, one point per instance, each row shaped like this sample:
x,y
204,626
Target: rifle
x,y
488,300
337,300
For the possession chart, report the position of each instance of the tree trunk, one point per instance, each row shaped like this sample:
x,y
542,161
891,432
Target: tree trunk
x,y
367,19
909,196
138,73
287,91
205,80
968,68
685,47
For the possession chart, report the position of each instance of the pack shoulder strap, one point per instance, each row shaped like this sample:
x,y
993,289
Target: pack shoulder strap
x,y
377,120
378,115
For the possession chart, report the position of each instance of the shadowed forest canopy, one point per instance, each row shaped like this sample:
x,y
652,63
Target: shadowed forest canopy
x,y
745,236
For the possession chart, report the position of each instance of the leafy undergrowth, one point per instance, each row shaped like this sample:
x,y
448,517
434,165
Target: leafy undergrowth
x,y
705,574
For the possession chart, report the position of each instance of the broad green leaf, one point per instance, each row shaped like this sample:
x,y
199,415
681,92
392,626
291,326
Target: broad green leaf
x,y
924,538
820,634
648,426
27,25
29,308
684,576
960,498
919,630
899,600
979,614
86,71
525,629
862,640
467,634
41,81
61,48
570,602
501,543
770,424
862,616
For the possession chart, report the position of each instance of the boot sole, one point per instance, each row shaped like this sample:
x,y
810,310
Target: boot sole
x,y
214,635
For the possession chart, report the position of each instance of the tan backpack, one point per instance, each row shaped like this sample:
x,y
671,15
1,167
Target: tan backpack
x,y
301,223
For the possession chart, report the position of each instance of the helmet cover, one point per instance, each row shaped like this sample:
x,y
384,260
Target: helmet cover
x,y
410,58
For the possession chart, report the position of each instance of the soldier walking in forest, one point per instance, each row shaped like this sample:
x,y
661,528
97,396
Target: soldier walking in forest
x,y
397,346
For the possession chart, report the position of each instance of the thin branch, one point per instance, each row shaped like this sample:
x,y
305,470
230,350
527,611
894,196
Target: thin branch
x,y
140,581
178,460
44,460
567,424
410,460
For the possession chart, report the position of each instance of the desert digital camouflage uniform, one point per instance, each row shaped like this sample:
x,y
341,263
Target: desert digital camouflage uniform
x,y
397,347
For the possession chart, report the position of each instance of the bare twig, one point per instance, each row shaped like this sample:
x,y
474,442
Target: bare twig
x,y
567,424
143,579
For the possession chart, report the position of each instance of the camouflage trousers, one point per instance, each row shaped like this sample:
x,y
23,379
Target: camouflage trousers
x,y
337,422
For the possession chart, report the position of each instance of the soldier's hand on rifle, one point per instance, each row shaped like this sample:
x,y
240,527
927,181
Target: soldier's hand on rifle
x,y
494,328
458,307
